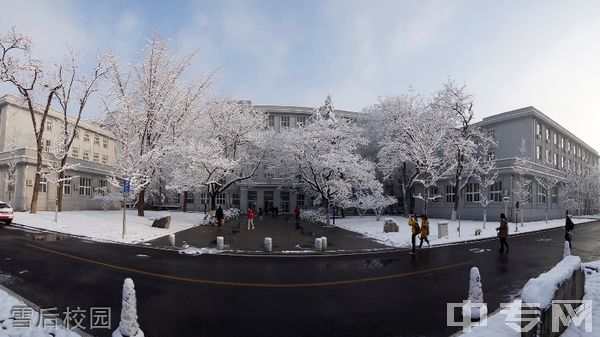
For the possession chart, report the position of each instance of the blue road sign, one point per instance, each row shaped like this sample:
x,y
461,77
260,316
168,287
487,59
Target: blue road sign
x,y
126,186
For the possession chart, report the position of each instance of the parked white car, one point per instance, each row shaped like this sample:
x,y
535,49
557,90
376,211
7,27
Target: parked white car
x,y
6,213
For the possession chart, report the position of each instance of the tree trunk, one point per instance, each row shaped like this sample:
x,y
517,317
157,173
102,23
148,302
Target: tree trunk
x,y
455,206
59,191
213,201
484,216
184,208
36,184
141,202
327,215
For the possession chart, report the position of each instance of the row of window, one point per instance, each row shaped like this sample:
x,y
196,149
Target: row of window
x,y
85,186
554,159
284,121
472,193
561,142
75,153
86,135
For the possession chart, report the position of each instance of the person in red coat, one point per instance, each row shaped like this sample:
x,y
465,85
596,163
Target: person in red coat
x,y
250,219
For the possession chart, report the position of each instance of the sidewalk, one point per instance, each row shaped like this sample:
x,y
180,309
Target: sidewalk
x,y
286,238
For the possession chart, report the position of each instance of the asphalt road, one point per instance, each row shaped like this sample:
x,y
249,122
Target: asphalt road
x,y
378,294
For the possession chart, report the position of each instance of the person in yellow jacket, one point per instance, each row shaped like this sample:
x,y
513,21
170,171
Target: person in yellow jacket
x,y
424,230
414,225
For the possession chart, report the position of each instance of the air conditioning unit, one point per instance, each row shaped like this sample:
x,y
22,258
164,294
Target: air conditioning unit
x,y
28,182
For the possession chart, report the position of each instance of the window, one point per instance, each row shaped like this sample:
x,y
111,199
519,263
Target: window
x,y
86,155
538,130
204,198
75,152
496,192
86,137
433,191
104,159
542,194
555,195
568,146
103,187
472,192
47,143
235,200
285,122
96,139
176,199
578,152
96,157
555,162
562,142
49,125
548,155
43,185
538,152
450,193
562,162
67,185
547,134
555,139
85,186
220,199
189,198
300,200
271,121
300,121
492,133
105,143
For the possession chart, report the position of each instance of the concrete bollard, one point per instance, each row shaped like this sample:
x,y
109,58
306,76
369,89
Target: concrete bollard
x,y
324,242
172,240
220,242
268,244
318,244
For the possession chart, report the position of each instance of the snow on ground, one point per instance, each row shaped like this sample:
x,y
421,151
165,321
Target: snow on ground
x,y
370,227
7,313
108,225
498,324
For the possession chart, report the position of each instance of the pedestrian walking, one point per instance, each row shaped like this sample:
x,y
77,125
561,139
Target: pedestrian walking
x,y
297,212
503,233
250,219
569,226
260,213
414,225
220,217
424,230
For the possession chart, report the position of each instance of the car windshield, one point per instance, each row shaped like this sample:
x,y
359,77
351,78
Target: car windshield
x,y
3,205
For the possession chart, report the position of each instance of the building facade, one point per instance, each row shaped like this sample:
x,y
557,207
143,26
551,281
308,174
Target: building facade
x,y
546,141
94,150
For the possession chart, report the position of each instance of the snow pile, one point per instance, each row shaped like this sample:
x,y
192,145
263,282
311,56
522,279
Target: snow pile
x,y
7,303
108,225
190,250
475,308
541,289
128,326
314,216
567,250
370,227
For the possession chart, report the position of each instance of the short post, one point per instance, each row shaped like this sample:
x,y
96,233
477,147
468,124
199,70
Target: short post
x,y
220,242
268,244
172,240
324,242
318,245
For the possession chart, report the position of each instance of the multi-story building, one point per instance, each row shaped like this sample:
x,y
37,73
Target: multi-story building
x,y
546,141
94,149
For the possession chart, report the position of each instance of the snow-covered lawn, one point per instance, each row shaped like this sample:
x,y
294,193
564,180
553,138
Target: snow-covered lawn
x,y
108,225
372,228
10,305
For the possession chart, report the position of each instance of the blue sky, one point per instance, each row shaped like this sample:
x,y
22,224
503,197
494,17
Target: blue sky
x,y
509,53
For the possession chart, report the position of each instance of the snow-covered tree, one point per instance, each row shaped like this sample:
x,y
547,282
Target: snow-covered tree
x,y
376,202
486,176
128,326
322,155
11,171
548,181
455,104
225,146
393,117
475,297
150,106
35,82
73,96
522,186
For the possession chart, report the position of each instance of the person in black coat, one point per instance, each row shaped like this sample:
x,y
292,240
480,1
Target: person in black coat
x,y
220,216
569,226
